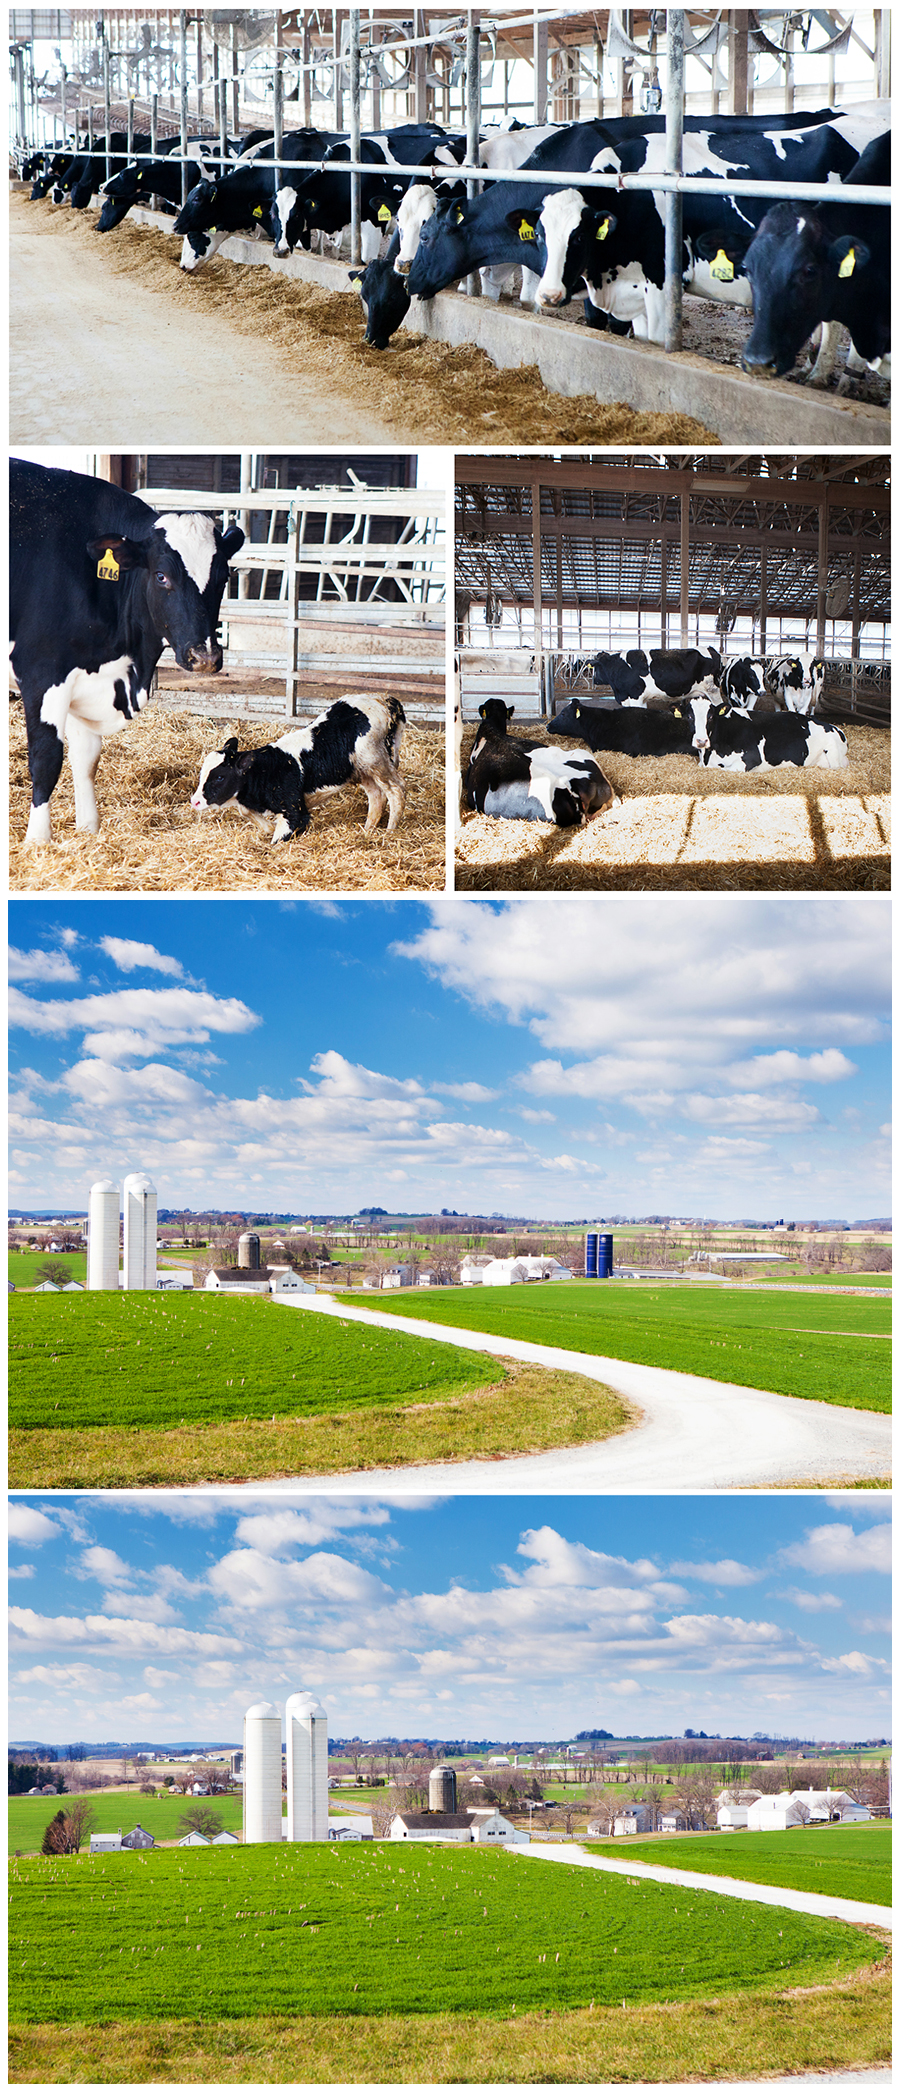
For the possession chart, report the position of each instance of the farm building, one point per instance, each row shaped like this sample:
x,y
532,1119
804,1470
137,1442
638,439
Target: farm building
x,y
805,1807
266,1279
478,1271
645,87
479,1827
336,594
637,1818
581,582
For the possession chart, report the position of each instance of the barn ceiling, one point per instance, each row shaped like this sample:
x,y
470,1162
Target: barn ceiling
x,y
609,525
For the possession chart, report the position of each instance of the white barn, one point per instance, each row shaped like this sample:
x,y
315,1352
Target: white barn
x,y
462,1828
784,1813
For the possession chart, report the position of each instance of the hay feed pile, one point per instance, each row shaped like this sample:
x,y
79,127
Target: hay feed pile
x,y
151,842
446,395
684,827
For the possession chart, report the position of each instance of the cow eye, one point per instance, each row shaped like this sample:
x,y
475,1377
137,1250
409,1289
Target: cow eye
x,y
165,581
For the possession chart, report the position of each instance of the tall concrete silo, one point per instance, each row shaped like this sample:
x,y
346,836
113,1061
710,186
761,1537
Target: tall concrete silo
x,y
442,1788
307,1768
139,1198
103,1235
262,1774
248,1251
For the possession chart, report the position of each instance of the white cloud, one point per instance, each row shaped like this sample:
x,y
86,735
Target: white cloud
x,y
129,953
467,1093
28,1628
158,1017
105,1566
811,1602
828,1066
28,1525
271,1533
829,1551
856,1662
725,1572
40,966
249,1581
21,1570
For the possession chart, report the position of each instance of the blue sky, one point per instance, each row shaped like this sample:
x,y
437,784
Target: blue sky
x,y
165,1615
564,1056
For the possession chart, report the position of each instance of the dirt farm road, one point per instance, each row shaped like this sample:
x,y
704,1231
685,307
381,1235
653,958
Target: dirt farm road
x,y
89,350
694,1435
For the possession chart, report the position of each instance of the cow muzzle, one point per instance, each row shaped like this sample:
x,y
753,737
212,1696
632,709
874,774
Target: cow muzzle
x,y
208,660
547,296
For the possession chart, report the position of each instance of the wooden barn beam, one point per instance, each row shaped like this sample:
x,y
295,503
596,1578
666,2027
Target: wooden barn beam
x,y
585,476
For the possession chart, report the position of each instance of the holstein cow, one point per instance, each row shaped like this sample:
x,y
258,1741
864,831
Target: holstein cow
x,y
138,184
537,784
727,741
99,585
631,731
244,200
357,740
798,680
43,178
660,673
321,201
812,266
502,227
85,175
744,682
619,255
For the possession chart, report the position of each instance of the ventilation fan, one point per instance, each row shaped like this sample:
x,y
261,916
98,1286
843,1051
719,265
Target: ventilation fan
x,y
241,23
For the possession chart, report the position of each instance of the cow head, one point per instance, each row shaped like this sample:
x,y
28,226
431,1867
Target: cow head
x,y
795,268
119,194
703,712
179,574
384,295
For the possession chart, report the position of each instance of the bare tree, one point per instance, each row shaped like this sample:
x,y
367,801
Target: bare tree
x,y
200,1818
81,1819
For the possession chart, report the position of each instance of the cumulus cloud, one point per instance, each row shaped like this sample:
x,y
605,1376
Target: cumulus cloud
x,y
105,1566
855,1662
27,1524
811,1602
272,1533
249,1581
828,1066
129,953
725,1572
837,1548
158,1017
26,1627
40,966
20,1570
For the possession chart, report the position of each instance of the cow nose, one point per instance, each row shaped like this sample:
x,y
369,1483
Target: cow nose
x,y
402,268
208,658
551,297
758,366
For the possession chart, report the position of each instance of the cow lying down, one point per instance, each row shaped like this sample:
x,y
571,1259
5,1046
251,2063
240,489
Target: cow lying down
x,y
526,781
356,740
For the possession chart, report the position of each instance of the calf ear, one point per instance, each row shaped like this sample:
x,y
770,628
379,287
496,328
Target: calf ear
x,y
230,750
113,551
232,540
847,255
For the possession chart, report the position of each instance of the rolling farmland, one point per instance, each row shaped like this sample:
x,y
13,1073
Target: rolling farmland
x,y
831,1350
841,1861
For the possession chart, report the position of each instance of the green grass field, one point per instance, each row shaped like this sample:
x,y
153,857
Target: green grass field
x,y
841,1861
30,1815
155,1360
834,1351
230,1932
24,1266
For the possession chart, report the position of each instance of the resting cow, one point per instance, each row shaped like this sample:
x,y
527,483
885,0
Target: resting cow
x,y
631,731
660,673
99,585
727,741
357,739
798,680
534,783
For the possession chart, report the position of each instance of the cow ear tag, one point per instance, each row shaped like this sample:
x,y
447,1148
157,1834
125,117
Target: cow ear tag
x,y
526,231
849,263
722,268
603,229
257,210
108,568
384,214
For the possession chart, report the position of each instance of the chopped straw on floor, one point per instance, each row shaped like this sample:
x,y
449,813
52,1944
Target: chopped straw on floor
x,y
150,841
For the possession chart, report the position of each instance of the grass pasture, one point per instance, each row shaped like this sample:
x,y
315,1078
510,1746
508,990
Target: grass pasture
x,y
23,1267
137,1390
832,1351
840,1861
225,1933
161,1814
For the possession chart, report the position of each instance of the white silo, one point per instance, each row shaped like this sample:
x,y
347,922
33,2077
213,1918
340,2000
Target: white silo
x,y
139,1198
306,1725
103,1235
262,1774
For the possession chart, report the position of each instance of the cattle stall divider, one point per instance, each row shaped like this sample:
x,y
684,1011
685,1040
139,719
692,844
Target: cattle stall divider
x,y
346,633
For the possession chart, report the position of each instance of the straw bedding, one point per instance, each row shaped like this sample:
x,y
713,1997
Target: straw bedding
x,y
150,840
448,395
684,827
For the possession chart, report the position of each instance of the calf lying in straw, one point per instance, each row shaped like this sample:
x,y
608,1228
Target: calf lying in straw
x,y
357,739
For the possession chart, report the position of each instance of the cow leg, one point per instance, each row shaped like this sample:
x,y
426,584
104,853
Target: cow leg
x,y
396,800
84,756
45,756
377,802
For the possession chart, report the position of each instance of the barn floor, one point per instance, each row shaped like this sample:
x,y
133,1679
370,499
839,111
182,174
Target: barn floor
x,y
109,325
681,827
150,842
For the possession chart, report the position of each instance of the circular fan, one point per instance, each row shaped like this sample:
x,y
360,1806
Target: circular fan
x,y
244,24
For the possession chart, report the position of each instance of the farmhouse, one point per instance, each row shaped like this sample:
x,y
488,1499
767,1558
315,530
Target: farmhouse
x,y
638,1817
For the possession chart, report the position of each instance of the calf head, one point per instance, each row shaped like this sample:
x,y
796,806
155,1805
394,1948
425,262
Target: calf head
x,y
221,775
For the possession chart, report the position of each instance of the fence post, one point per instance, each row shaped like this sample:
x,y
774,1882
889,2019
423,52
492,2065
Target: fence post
x,y
674,135
182,24
473,117
355,226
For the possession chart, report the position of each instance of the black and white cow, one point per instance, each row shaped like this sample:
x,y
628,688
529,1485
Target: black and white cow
x,y
798,680
245,199
320,202
161,178
385,298
44,177
536,784
660,673
357,740
745,682
810,266
99,585
86,174
726,740
630,731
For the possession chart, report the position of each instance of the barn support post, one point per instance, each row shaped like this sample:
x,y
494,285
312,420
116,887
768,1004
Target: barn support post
x,y
305,75
536,585
674,137
336,82
822,581
663,582
539,61
223,113
244,517
200,72
278,117
355,225
63,78
473,117
854,632
19,64
685,566
130,130
420,68
763,598
738,54
182,58
235,82
106,104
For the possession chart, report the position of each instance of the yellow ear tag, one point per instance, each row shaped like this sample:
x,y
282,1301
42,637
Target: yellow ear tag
x,y
603,229
257,210
722,268
849,263
526,231
108,568
213,229
384,214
